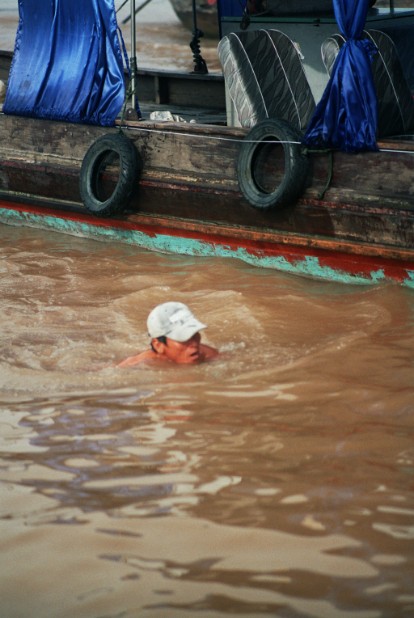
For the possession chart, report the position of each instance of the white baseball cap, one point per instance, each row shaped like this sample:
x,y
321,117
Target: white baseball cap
x,y
173,320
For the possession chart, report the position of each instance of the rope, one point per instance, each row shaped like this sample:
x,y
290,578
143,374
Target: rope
x,y
328,151
306,150
128,95
204,137
220,138
330,176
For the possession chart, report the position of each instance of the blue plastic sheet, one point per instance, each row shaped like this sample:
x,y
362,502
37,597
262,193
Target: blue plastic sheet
x,y
230,8
346,116
67,63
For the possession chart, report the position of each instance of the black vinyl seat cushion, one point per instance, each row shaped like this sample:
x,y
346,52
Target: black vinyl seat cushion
x,y
395,100
265,78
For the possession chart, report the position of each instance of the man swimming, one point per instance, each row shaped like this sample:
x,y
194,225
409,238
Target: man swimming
x,y
175,336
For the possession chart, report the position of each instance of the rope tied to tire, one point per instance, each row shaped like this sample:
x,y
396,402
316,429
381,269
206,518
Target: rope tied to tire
x,y
329,152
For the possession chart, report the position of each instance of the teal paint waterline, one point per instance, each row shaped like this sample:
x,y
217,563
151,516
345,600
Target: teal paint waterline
x,y
409,281
308,266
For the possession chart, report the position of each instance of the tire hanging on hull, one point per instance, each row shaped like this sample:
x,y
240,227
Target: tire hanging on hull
x,y
254,166
100,155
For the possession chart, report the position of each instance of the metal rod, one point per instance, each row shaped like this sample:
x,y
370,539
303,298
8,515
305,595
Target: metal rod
x,y
194,11
133,56
200,65
122,5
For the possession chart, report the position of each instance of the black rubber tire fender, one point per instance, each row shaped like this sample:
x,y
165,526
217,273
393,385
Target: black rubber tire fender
x,y
296,164
110,144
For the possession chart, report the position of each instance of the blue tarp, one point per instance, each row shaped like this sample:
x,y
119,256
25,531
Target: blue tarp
x,y
67,63
230,8
346,116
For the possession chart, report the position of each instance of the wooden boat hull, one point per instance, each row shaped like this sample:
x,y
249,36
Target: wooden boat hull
x,y
188,200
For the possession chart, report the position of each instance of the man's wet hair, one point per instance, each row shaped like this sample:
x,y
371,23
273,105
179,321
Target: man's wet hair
x,y
161,339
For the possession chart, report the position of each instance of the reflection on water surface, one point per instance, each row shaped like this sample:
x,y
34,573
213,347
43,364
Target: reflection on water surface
x,y
274,481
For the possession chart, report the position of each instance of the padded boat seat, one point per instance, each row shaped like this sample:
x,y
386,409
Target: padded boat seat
x,y
265,77
395,101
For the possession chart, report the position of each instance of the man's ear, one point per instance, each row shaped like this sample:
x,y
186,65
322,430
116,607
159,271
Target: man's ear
x,y
158,346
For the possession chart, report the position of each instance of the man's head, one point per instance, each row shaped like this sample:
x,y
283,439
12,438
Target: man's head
x,y
175,332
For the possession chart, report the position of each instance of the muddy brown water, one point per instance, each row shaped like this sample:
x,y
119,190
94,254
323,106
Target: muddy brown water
x,y
276,480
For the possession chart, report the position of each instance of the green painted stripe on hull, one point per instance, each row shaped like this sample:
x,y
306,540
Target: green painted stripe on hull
x,y
309,266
